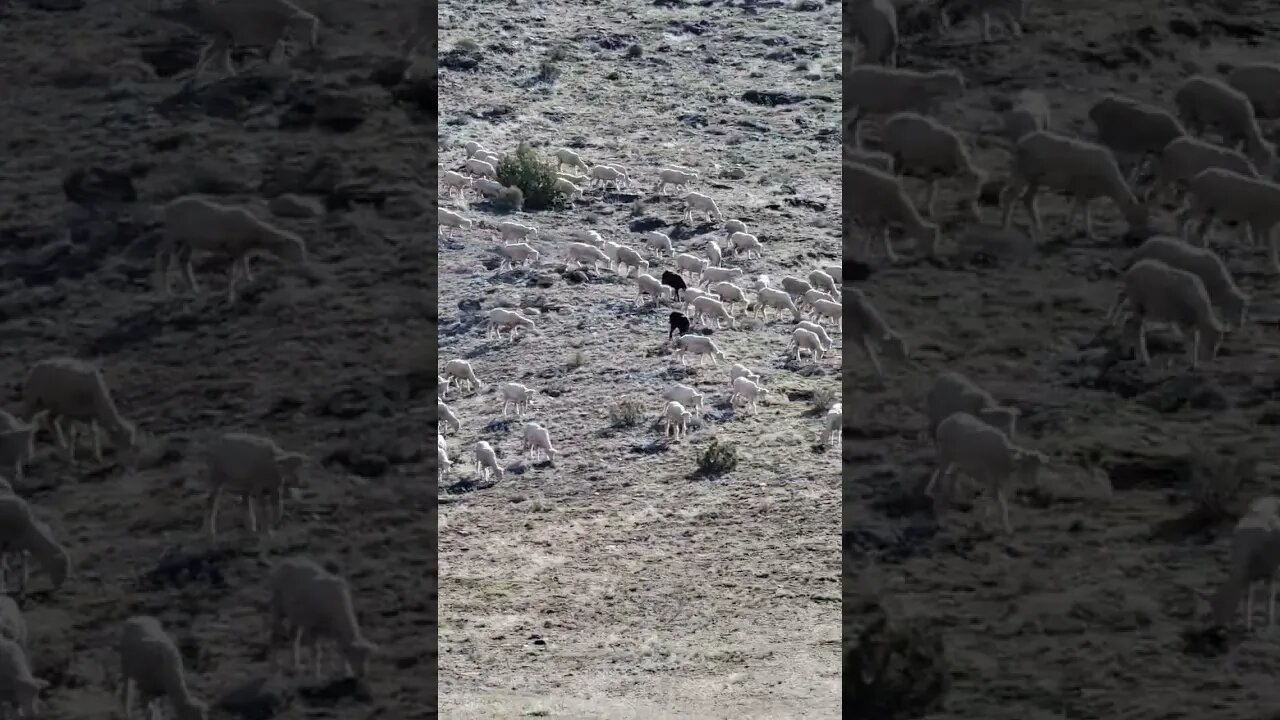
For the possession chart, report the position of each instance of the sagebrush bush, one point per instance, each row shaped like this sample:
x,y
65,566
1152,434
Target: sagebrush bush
x,y
509,200
534,177
717,459
626,413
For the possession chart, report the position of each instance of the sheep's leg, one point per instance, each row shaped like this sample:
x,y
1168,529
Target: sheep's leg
x,y
252,518
297,649
1143,355
871,355
126,696
1003,502
1088,219
931,198
855,126
232,273
97,439
1248,607
1073,213
1029,201
1193,348
889,254
71,442
986,27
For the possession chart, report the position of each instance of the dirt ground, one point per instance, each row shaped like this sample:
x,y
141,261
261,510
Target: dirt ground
x,y
613,583
335,369
1081,613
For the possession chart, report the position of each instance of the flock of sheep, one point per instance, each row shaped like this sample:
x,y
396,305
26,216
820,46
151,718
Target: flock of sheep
x,y
1169,280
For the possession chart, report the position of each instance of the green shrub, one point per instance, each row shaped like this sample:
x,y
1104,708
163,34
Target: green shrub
x,y
532,176
717,459
626,413
509,200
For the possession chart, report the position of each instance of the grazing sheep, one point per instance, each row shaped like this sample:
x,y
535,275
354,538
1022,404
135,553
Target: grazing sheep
x,y
697,202
19,689
457,371
487,461
500,318
519,254
517,395
647,284
832,425
442,455
492,158
565,156
738,370
714,256
952,392
490,188
770,298
590,237
622,171
455,181
691,263
248,23
794,286
309,601
17,443
1218,194
23,534
569,189
151,666
675,417
745,389
874,90
671,176
923,147
733,226
875,25
1260,82
538,440
194,223
728,293
818,330
802,339
1255,558
257,470
1134,129
822,280
699,345
628,259
1204,264
442,386
678,323
711,275
814,296
603,175
449,219
985,454
1186,157
675,282
828,309
580,252
709,307
1158,293
870,330
1080,169
1029,113
683,394
512,231
1014,13
1209,102
73,391
875,200
445,414
743,242
659,243
693,293
472,147
481,168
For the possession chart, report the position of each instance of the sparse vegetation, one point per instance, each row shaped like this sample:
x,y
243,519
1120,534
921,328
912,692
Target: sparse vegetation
x,y
510,199
635,51
824,398
718,459
532,176
626,413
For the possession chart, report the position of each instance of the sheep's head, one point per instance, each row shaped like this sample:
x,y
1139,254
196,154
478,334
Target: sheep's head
x,y
1027,463
291,465
358,654
528,396
1210,340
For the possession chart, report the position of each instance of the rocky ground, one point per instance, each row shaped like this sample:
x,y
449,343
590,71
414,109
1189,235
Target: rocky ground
x,y
1096,606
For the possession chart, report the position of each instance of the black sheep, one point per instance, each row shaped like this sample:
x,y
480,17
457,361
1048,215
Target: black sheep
x,y
678,322
675,282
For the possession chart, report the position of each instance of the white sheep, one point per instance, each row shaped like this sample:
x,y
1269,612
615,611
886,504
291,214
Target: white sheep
x,y
794,286
924,147
684,394
875,24
1209,102
802,340
565,156
151,666
248,23
709,307
1260,82
710,275
63,389
1014,13
1204,264
490,157
1187,156
714,256
17,443
445,414
770,298
518,254
512,231
455,181
870,330
442,456
985,454
822,280
1080,169
500,318
585,253
457,371
659,243
1218,194
836,272
952,392
671,176
728,293
442,386
675,418
573,178
692,293
876,201
699,345
832,424
450,219
257,470
733,226
538,440
479,167
647,284
818,330
1130,128
472,147
697,202
623,170
22,534
873,90
569,189
812,296
487,460
745,389
828,309
1028,113
19,689
517,395
489,188
628,259
692,264
192,223
603,175
1158,293
743,242
309,602
1255,558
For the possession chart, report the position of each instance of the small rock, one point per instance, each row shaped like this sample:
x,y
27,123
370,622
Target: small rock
x,y
545,280
257,699
771,97
734,173
291,205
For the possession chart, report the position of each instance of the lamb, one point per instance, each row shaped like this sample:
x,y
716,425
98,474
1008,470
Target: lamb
x,y
1014,13
952,392
513,393
926,148
490,157
151,665
814,296
1218,194
677,322
836,272
818,330
13,626
22,534
489,188
538,440
519,254
714,257
247,23
19,689
603,175
567,188
74,391
794,286
455,181
309,601
457,371
746,390
683,394
738,370
873,90
828,309
512,231
445,414
733,226
690,263
1132,128
1186,157
257,470
481,168
647,284
442,456
1260,82
744,242
711,275
573,178
671,176
500,318
770,298
824,281
699,345
565,156
1255,557
442,386
802,339
194,223
1082,170
622,170
472,147
659,243
875,200
590,237
1029,113
1159,293
487,461
17,443
728,292
628,257
580,253
1204,102
450,219
675,282
982,452
1204,264
700,203
869,329
708,307
831,427
875,25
